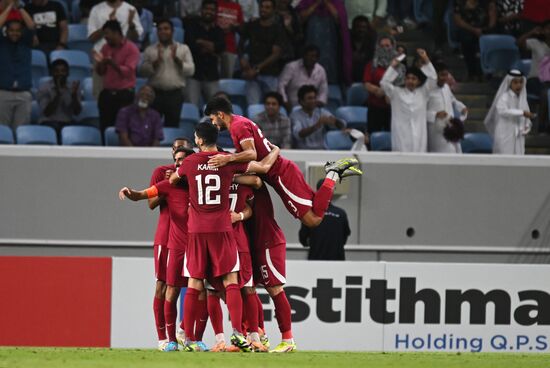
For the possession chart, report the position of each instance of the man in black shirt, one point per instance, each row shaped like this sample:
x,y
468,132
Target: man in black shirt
x,y
50,22
326,241
206,42
260,61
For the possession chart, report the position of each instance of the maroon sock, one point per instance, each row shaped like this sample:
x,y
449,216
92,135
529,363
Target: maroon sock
x,y
215,313
322,197
158,309
202,318
171,313
190,312
283,313
251,312
260,312
235,306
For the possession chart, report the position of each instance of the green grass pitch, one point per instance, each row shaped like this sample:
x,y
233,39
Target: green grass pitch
x,y
114,358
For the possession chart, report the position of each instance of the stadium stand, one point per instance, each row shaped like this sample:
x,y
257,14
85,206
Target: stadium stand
x,y
189,114
337,140
356,95
39,66
35,134
75,135
110,137
477,143
498,53
6,135
79,61
354,116
380,141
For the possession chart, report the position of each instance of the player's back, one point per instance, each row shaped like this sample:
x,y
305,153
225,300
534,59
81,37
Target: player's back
x,y
264,229
239,194
177,200
243,129
163,225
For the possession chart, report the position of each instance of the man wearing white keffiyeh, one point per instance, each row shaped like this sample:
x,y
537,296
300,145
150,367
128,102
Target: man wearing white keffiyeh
x,y
508,120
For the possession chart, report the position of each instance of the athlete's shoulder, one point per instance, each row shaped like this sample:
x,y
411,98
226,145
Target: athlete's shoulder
x,y
240,121
163,168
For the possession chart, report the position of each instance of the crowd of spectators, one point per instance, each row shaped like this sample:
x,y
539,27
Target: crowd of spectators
x,y
287,52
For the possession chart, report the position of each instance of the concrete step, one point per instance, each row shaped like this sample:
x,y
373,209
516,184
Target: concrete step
x,y
537,144
474,101
474,126
477,113
474,89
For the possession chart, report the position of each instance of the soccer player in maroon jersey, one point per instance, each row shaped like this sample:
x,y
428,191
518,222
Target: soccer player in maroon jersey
x,y
160,248
212,249
177,203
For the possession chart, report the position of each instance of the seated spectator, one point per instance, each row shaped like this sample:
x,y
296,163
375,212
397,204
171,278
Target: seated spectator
x,y
168,63
116,63
50,23
509,16
275,126
326,242
310,122
229,19
300,73
260,60
190,9
473,18
139,124
287,17
146,20
16,71
206,41
59,103
363,42
326,26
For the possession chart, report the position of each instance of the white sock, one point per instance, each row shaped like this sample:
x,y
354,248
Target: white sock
x,y
333,175
289,341
254,336
220,338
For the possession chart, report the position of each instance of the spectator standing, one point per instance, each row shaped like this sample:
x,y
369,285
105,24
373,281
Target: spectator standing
x,y
509,16
275,126
146,19
59,102
538,42
379,110
260,60
326,26
116,63
363,42
14,13
473,18
138,124
439,8
310,122
168,63
190,9
408,104
206,41
326,242
374,10
289,19
401,13
229,19
50,23
16,71
251,10
300,73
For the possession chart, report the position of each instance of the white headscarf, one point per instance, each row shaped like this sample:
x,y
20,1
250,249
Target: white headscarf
x,y
491,118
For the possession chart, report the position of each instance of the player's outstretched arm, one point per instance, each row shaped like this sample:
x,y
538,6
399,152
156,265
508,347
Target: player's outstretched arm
x,y
264,166
252,181
248,154
131,194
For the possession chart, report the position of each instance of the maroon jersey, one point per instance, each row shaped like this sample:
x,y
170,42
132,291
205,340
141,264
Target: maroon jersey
x,y
177,200
265,231
163,225
209,192
238,196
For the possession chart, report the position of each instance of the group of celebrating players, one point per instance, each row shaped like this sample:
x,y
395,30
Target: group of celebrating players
x,y
217,233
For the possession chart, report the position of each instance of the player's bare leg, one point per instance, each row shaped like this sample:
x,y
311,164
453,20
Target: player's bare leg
x,y
336,171
283,316
235,306
158,309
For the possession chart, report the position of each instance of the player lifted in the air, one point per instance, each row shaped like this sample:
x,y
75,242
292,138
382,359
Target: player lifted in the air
x,y
285,176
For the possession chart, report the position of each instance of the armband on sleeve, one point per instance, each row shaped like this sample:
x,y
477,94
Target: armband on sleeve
x,y
152,192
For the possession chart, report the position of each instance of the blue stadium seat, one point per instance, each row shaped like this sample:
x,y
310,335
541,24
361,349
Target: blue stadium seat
x,y
39,66
189,114
255,109
354,116
179,35
140,82
110,137
65,6
78,38
356,95
236,89
6,135
187,130
452,37
35,112
36,134
523,66
79,62
76,135
380,141
423,11
224,140
177,22
337,140
88,89
170,134
477,143
498,53
335,99
89,114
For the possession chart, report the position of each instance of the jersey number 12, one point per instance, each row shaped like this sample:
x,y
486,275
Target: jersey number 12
x,y
212,184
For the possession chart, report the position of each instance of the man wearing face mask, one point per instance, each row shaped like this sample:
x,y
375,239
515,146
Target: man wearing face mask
x,y
59,102
139,124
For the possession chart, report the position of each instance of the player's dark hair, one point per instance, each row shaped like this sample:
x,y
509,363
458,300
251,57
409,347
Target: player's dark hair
x,y
208,133
112,25
187,151
304,90
440,66
275,95
312,48
209,2
166,21
218,104
185,139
